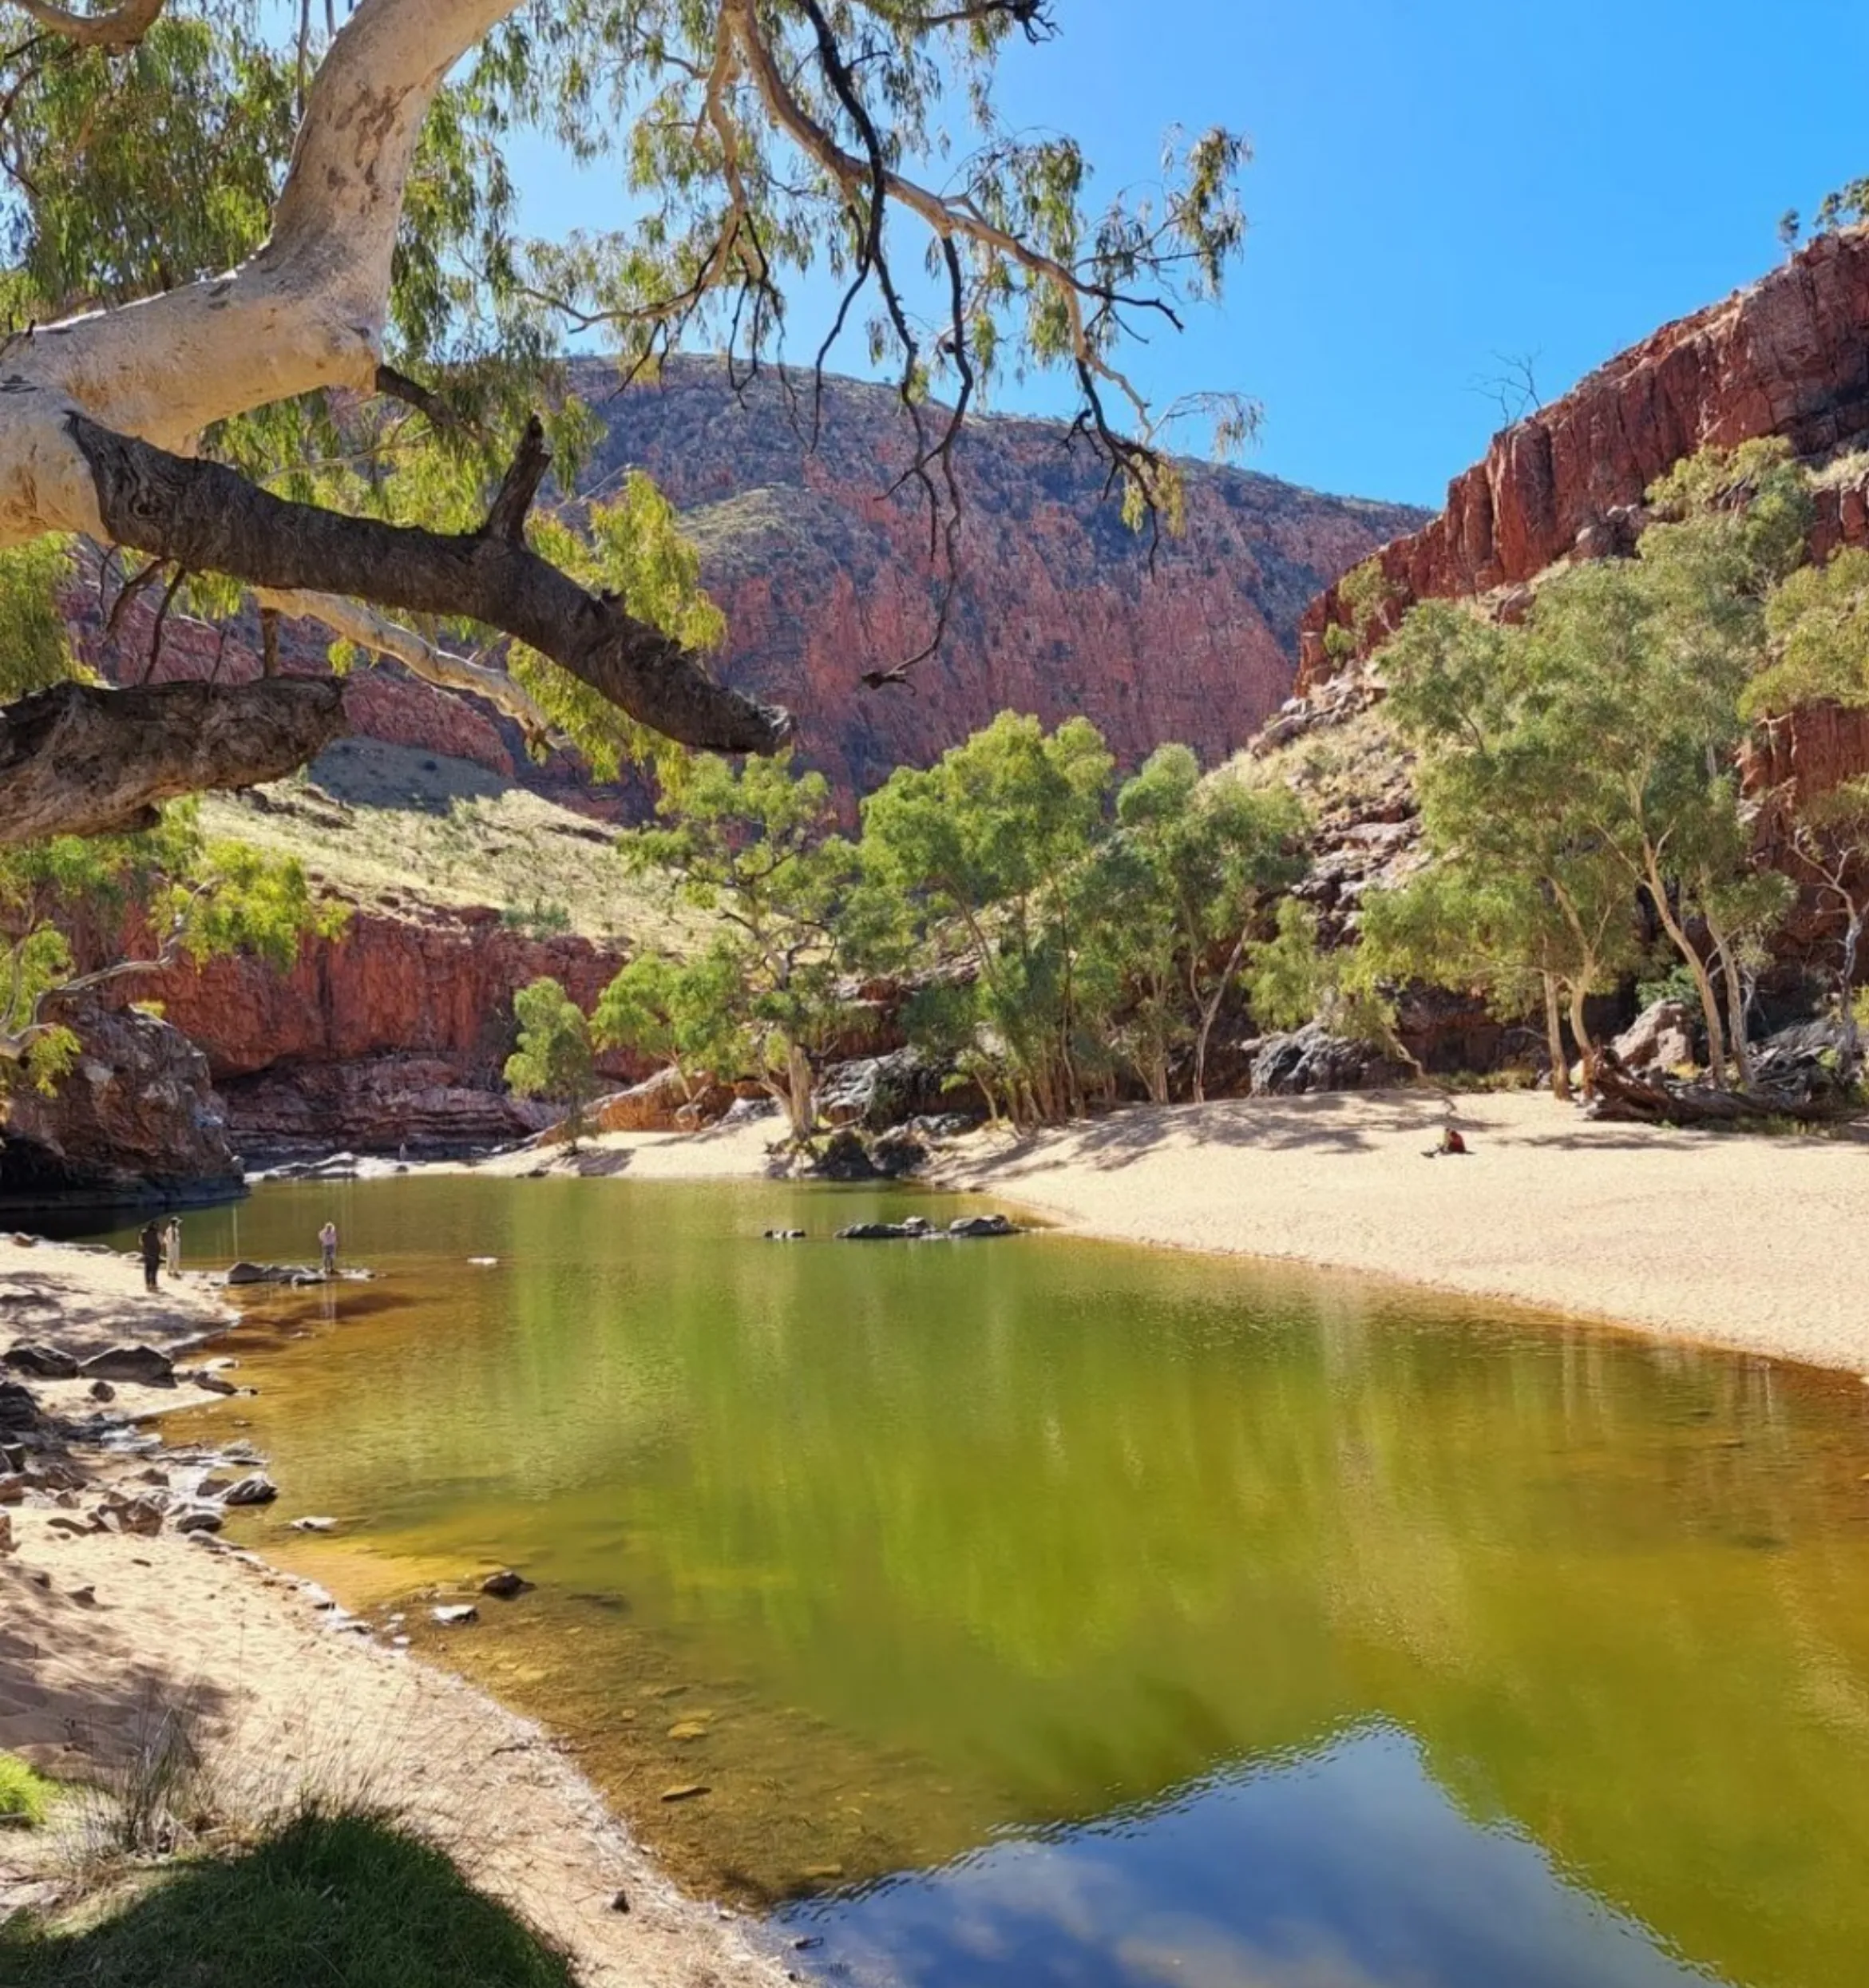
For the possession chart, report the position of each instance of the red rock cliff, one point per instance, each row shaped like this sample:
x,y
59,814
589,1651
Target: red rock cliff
x,y
1788,357
395,1030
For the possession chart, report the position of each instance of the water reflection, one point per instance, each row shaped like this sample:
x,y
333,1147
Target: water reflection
x,y
1350,1869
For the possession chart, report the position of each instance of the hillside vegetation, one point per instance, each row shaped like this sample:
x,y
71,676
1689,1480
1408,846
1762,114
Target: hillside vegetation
x,y
380,823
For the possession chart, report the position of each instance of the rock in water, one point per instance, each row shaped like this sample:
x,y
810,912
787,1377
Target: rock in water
x,y
141,1363
456,1616
198,1519
506,1584
257,1490
43,1363
315,1525
967,1226
685,1791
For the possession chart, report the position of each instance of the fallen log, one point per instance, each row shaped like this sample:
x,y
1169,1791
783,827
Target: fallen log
x,y
1624,1098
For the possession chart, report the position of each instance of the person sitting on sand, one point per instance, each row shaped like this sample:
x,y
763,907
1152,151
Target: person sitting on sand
x,y
327,1243
172,1244
1451,1143
150,1242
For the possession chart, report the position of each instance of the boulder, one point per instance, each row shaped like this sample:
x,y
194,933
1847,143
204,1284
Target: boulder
x,y
143,1517
198,1519
135,1120
1660,1038
18,1408
140,1364
877,1092
43,1363
897,1155
1311,1058
246,1273
844,1157
257,1490
662,1103
506,1584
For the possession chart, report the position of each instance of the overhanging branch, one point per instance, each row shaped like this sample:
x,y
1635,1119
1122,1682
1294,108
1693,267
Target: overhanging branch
x,y
79,760
213,521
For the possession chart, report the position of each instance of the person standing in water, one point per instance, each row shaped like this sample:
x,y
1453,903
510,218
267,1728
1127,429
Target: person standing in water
x,y
327,1243
149,1240
171,1240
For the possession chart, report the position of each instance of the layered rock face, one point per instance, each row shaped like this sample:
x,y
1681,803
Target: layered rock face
x,y
395,1032
1788,357
135,1120
823,575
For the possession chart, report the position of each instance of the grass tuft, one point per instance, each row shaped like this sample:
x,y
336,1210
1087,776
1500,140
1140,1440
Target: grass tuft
x,y
329,1896
24,1796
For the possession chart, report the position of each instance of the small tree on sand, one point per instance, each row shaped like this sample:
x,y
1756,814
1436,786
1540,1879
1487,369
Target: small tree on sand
x,y
553,1059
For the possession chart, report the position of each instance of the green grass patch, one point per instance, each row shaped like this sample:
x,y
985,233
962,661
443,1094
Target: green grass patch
x,y
22,1792
344,1898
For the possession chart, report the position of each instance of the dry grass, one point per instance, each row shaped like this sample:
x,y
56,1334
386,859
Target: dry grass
x,y
1345,771
370,820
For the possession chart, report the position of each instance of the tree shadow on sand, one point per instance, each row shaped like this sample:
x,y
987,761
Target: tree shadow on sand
x,y
330,1897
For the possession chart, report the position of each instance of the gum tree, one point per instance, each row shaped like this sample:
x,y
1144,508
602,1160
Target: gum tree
x,y
247,244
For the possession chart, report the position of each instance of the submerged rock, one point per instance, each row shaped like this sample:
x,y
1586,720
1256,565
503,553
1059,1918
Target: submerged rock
x,y
966,1227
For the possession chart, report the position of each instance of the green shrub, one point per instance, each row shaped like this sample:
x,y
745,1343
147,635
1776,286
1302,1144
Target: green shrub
x,y
22,1792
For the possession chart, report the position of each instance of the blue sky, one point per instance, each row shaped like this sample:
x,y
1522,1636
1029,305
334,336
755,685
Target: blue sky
x,y
1436,183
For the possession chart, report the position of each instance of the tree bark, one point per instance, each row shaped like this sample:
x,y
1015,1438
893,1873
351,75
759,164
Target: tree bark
x,y
1555,1041
1587,1048
1696,965
78,760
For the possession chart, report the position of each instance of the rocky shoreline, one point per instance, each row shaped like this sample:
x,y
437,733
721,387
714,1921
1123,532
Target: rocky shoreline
x,y
119,1602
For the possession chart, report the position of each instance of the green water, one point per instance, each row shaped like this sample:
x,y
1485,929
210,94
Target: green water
x,y
1050,1611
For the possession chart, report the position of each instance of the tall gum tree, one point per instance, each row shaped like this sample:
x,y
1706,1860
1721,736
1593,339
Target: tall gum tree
x,y
755,139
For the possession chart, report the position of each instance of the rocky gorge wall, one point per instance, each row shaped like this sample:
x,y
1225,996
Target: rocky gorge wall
x,y
1789,356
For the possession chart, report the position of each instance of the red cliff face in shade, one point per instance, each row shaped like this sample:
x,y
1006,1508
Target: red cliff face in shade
x,y
396,1030
1788,357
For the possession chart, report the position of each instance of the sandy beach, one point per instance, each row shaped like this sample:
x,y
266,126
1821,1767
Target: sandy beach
x,y
1751,1242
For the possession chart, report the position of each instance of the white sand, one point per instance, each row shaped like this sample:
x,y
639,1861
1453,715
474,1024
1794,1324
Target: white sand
x,y
1751,1242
